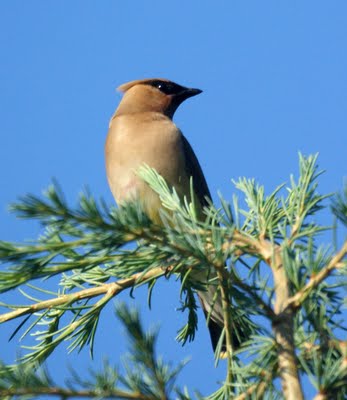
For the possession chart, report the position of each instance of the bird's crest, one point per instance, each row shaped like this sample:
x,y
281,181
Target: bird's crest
x,y
126,86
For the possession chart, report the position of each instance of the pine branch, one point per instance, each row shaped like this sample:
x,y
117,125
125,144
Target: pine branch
x,y
68,299
335,263
147,377
63,393
286,285
283,326
256,390
282,319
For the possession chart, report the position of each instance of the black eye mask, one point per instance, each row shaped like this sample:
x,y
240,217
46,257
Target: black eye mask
x,y
169,88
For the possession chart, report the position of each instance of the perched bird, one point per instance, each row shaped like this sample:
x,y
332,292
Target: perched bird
x,y
142,132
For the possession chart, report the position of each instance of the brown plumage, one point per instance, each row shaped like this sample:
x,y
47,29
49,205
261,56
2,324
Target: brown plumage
x,y
142,132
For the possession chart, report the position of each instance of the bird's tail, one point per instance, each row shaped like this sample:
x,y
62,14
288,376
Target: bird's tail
x,y
211,303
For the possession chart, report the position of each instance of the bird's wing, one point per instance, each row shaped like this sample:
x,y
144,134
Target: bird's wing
x,y
193,169
207,297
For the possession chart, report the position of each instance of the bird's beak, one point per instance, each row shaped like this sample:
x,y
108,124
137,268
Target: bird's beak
x,y
190,92
187,92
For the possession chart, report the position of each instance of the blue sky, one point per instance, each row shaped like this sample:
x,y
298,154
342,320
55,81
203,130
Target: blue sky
x,y
274,76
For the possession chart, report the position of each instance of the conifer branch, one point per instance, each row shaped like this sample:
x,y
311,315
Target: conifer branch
x,y
146,376
256,390
84,246
335,263
69,393
114,288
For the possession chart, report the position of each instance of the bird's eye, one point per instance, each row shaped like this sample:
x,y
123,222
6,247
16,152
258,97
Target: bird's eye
x,y
169,88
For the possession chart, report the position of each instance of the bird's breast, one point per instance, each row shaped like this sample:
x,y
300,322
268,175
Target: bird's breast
x,y
131,143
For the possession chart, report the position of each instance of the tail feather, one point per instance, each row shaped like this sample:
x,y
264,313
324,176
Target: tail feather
x,y
211,303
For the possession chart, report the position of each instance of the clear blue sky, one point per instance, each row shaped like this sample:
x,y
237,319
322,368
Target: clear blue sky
x,y
274,76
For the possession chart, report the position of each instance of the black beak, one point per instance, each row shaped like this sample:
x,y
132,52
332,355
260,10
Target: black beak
x,y
192,92
186,93
179,98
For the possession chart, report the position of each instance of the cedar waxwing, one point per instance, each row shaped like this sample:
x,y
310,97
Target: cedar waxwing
x,y
142,132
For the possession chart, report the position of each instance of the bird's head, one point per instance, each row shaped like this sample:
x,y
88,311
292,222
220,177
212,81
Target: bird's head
x,y
153,95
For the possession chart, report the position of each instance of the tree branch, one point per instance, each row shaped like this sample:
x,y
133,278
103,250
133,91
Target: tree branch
x,y
283,324
257,389
283,318
114,287
296,301
69,393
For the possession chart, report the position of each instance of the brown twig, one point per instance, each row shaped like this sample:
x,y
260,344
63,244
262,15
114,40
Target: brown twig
x,y
321,396
283,324
66,393
243,244
258,389
115,287
296,301
283,320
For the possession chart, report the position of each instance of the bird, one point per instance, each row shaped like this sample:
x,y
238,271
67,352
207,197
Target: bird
x,y
141,131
